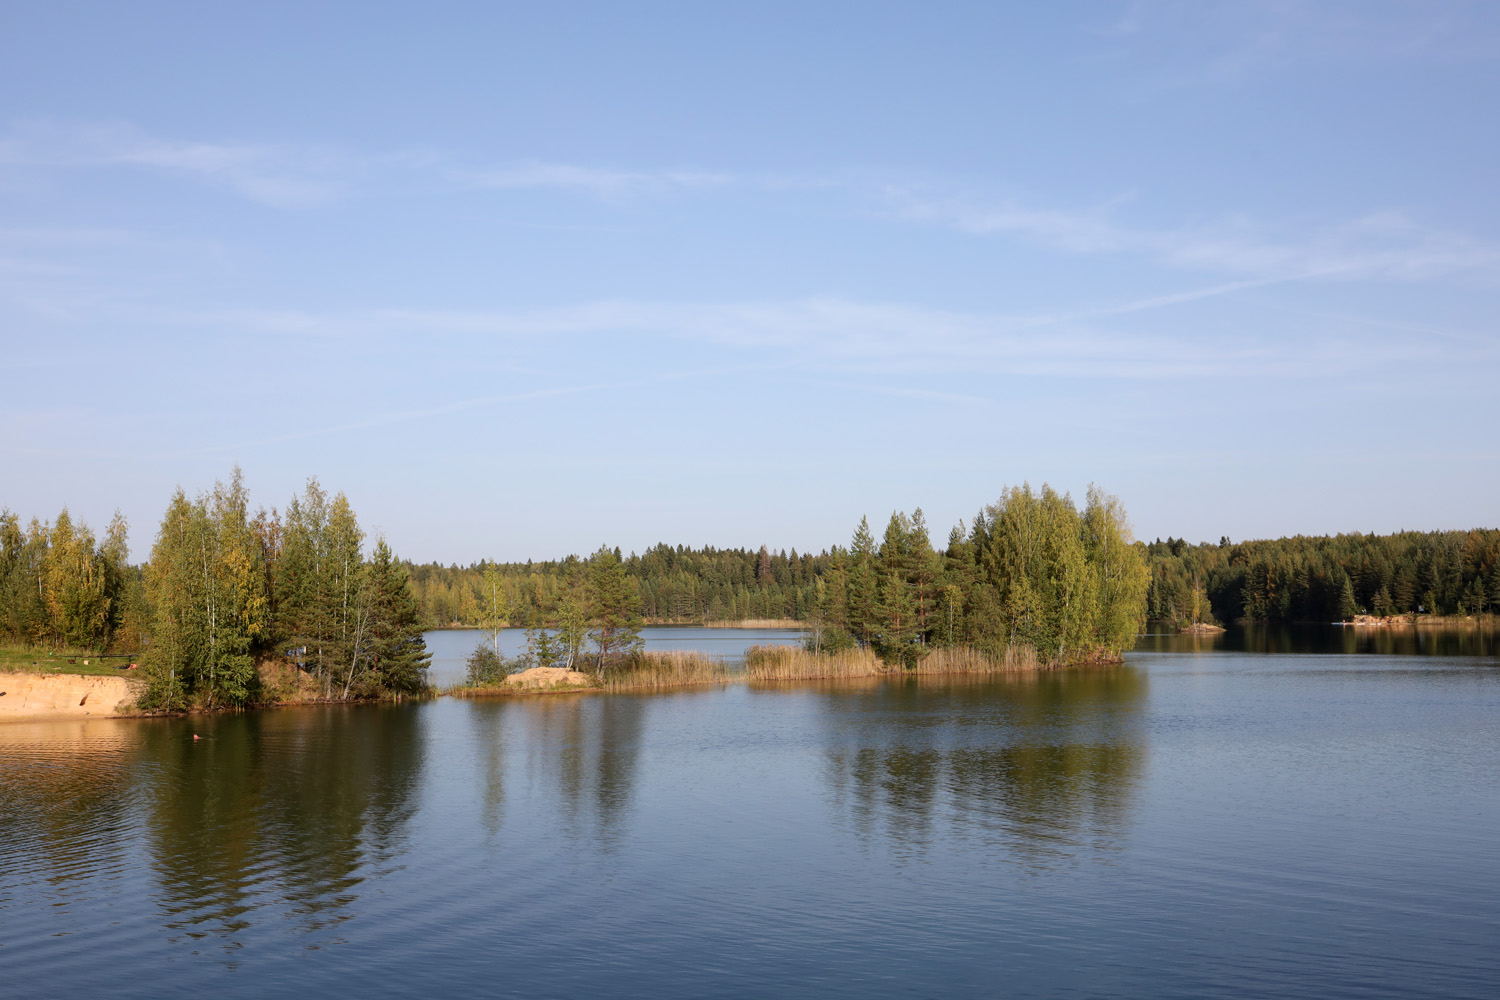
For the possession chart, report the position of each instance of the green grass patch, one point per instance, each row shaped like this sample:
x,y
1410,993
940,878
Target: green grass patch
x,y
40,660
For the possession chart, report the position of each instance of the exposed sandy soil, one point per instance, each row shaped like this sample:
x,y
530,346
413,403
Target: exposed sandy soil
x,y
66,696
547,678
1429,621
1202,628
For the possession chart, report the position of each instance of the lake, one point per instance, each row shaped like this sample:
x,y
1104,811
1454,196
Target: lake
x,y
1263,813
451,647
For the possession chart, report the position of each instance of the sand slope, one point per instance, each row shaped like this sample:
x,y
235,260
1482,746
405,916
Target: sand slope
x,y
66,696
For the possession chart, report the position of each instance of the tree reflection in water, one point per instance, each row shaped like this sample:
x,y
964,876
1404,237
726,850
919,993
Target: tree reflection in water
x,y
294,807
1042,764
588,747
1476,639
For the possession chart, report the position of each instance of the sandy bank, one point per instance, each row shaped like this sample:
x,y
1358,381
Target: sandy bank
x,y
758,623
1422,621
537,680
547,679
66,696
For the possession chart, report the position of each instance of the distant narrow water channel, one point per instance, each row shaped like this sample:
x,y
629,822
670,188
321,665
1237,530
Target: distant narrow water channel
x,y
1246,816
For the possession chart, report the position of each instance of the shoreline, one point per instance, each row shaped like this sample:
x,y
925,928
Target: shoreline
x,y
1421,621
40,697
50,697
746,623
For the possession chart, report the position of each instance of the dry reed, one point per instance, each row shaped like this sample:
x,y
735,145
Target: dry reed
x,y
758,623
967,660
779,663
667,668
784,663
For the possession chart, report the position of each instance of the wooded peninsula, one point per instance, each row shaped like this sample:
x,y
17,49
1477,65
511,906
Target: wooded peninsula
x,y
236,607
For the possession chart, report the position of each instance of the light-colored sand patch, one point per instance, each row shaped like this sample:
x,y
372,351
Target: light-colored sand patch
x,y
548,678
66,696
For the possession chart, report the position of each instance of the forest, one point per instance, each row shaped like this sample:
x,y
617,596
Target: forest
x,y
223,590
1325,579
226,589
1032,570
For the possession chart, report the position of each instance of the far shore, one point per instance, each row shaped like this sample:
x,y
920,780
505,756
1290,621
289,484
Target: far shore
x,y
756,623
1420,621
1201,628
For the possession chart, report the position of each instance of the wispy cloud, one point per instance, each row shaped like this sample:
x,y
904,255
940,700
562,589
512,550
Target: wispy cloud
x,y
275,175
290,175
599,182
1379,245
826,335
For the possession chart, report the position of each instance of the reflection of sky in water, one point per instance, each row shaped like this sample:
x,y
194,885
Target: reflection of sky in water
x,y
1214,823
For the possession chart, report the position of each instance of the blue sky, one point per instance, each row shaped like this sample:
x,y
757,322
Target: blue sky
x,y
523,279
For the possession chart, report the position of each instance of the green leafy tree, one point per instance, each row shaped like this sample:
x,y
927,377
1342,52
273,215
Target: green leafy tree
x,y
496,607
1120,574
573,614
207,589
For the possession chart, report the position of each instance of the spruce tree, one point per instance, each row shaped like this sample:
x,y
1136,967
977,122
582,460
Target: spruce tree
x,y
897,616
398,658
926,569
1347,606
863,586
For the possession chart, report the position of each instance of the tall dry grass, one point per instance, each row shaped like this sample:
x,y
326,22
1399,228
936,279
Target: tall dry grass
x,y
782,663
757,623
785,663
967,660
654,669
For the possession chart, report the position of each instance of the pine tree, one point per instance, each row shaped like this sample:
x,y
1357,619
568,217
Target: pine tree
x,y
897,616
615,602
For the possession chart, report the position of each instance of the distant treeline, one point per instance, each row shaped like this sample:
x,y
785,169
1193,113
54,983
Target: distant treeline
x,y
225,587
1032,570
1312,579
676,584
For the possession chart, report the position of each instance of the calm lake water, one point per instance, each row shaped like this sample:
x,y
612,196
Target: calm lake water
x,y
451,647
1254,814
